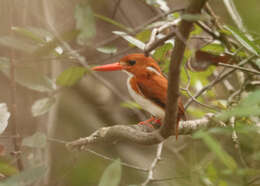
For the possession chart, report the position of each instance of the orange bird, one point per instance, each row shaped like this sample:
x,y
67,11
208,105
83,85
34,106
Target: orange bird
x,y
146,84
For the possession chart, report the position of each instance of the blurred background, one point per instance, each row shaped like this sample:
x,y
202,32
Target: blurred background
x,y
41,40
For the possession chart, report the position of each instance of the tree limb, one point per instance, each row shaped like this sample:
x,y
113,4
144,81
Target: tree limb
x,y
182,35
140,134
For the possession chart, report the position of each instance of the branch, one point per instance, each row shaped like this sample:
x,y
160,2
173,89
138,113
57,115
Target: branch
x,y
256,72
174,73
16,141
157,158
140,134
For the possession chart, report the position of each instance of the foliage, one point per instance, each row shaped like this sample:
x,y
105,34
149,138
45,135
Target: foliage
x,y
111,175
85,22
4,116
215,160
71,76
26,177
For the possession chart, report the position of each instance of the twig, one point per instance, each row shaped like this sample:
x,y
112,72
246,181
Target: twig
x,y
156,160
215,20
226,83
186,89
234,134
253,181
138,28
98,154
151,46
218,79
236,142
111,159
234,14
116,8
153,43
240,68
16,141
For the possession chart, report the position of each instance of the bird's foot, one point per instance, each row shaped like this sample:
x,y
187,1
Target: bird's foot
x,y
148,122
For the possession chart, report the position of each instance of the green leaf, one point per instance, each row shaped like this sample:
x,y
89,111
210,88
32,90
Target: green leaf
x,y
26,177
7,169
107,50
71,76
215,147
17,44
85,22
49,47
248,106
131,105
4,117
243,39
36,34
26,76
139,44
113,22
144,35
160,52
196,17
37,140
162,4
42,106
111,175
214,48
196,31
212,173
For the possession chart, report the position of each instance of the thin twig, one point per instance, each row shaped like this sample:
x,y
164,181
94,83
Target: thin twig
x,y
138,28
240,68
111,159
187,90
253,181
153,42
99,155
116,8
156,160
218,79
156,43
16,141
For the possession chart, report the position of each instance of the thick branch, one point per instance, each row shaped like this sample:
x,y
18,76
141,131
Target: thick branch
x,y
182,35
140,134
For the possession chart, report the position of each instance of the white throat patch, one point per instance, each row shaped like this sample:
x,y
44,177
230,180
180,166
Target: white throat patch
x,y
153,70
145,103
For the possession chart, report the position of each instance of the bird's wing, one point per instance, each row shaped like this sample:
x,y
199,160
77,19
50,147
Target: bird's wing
x,y
154,88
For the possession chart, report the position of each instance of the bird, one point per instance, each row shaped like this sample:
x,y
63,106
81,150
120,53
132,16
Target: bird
x,y
146,84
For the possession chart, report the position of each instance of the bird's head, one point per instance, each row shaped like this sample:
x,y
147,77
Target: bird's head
x,y
134,64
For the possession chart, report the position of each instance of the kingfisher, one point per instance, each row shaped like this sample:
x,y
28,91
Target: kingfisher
x,y
146,84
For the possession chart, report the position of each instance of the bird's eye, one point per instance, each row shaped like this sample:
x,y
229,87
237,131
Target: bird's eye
x,y
131,62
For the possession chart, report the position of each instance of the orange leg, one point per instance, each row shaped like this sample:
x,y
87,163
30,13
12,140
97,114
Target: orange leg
x,y
147,122
152,119
177,128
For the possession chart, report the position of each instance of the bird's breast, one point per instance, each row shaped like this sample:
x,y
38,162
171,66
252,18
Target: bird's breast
x,y
144,102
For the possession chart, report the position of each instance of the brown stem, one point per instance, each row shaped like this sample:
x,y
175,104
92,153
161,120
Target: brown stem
x,y
174,74
16,141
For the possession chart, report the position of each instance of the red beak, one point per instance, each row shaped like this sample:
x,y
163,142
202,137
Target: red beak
x,y
109,67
